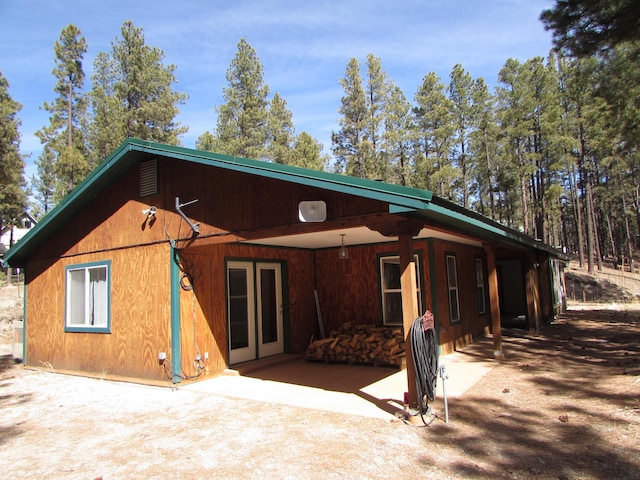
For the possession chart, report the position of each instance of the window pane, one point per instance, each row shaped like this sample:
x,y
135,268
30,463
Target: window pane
x,y
391,289
479,279
481,305
98,296
391,275
238,308
451,272
453,305
393,308
76,297
269,307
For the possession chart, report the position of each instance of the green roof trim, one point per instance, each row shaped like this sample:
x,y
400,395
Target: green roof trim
x,y
402,200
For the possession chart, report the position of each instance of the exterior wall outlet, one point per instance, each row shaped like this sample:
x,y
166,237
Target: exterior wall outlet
x,y
206,355
162,356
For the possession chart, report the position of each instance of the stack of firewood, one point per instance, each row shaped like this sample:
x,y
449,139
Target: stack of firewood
x,y
367,344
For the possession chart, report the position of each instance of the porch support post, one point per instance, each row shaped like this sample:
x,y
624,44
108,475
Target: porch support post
x,y
532,293
494,301
174,274
409,307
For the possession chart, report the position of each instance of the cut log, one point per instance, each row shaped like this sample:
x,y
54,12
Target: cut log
x,y
360,343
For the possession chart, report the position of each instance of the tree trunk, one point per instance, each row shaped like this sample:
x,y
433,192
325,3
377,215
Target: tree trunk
x,y
590,229
628,231
577,209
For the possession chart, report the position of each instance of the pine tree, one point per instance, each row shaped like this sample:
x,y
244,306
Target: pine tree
x,y
347,143
12,183
586,27
435,128
243,121
515,111
376,101
460,86
65,153
483,147
281,131
398,132
132,95
307,153
44,181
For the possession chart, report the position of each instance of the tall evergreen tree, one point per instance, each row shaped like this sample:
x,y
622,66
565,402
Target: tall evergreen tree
x,y
516,106
434,122
398,138
12,183
347,143
43,183
281,131
377,93
65,152
132,95
243,120
586,27
483,147
460,86
307,153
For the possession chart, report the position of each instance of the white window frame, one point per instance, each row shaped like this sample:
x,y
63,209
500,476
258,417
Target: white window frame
x,y
482,299
452,288
87,300
385,291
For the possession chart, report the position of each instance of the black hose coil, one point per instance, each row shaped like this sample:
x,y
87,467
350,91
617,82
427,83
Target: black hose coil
x,y
424,350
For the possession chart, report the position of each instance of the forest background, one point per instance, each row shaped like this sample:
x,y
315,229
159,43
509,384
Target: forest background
x,y
551,151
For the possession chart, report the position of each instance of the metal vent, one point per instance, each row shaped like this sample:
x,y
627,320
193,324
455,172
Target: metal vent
x,y
149,178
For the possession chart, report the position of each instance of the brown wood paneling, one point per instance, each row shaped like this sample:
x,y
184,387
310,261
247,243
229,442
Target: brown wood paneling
x,y
349,290
140,316
472,323
206,265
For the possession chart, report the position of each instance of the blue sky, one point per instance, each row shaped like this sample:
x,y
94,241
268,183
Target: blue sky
x,y
304,48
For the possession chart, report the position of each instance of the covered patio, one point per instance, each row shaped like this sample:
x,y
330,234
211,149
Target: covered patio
x,y
352,389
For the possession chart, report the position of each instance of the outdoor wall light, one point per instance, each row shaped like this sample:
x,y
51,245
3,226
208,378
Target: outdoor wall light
x,y
150,212
312,211
343,252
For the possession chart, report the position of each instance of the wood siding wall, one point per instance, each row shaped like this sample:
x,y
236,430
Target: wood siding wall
x,y
230,207
472,324
140,316
206,265
349,290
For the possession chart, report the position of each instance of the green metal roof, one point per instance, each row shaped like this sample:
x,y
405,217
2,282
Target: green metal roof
x,y
402,200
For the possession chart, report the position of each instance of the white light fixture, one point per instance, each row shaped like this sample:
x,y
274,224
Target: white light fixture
x,y
150,212
343,252
312,211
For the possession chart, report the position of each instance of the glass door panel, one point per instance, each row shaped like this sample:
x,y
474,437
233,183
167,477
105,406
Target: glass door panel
x,y
240,308
270,315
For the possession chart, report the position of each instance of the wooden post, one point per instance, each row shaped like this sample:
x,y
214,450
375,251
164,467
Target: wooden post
x,y
531,292
409,307
494,301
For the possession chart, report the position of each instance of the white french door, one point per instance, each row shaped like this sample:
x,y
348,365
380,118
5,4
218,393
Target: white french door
x,y
255,312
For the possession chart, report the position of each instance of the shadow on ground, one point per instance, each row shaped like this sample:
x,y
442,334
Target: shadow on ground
x,y
565,404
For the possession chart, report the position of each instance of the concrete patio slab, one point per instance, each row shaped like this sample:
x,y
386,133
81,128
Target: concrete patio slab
x,y
351,389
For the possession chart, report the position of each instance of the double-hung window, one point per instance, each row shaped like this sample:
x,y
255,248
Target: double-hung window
x,y
87,297
391,290
482,308
452,283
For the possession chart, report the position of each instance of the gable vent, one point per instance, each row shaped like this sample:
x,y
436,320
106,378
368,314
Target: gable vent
x,y
149,178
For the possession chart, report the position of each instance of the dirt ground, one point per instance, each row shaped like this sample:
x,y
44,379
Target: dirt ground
x,y
565,404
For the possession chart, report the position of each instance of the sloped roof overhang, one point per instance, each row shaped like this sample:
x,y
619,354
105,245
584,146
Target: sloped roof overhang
x,y
405,201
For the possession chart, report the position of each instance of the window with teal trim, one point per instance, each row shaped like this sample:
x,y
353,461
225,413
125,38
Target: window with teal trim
x,y
88,296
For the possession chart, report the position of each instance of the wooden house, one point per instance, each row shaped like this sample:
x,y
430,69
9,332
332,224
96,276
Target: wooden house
x,y
169,263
